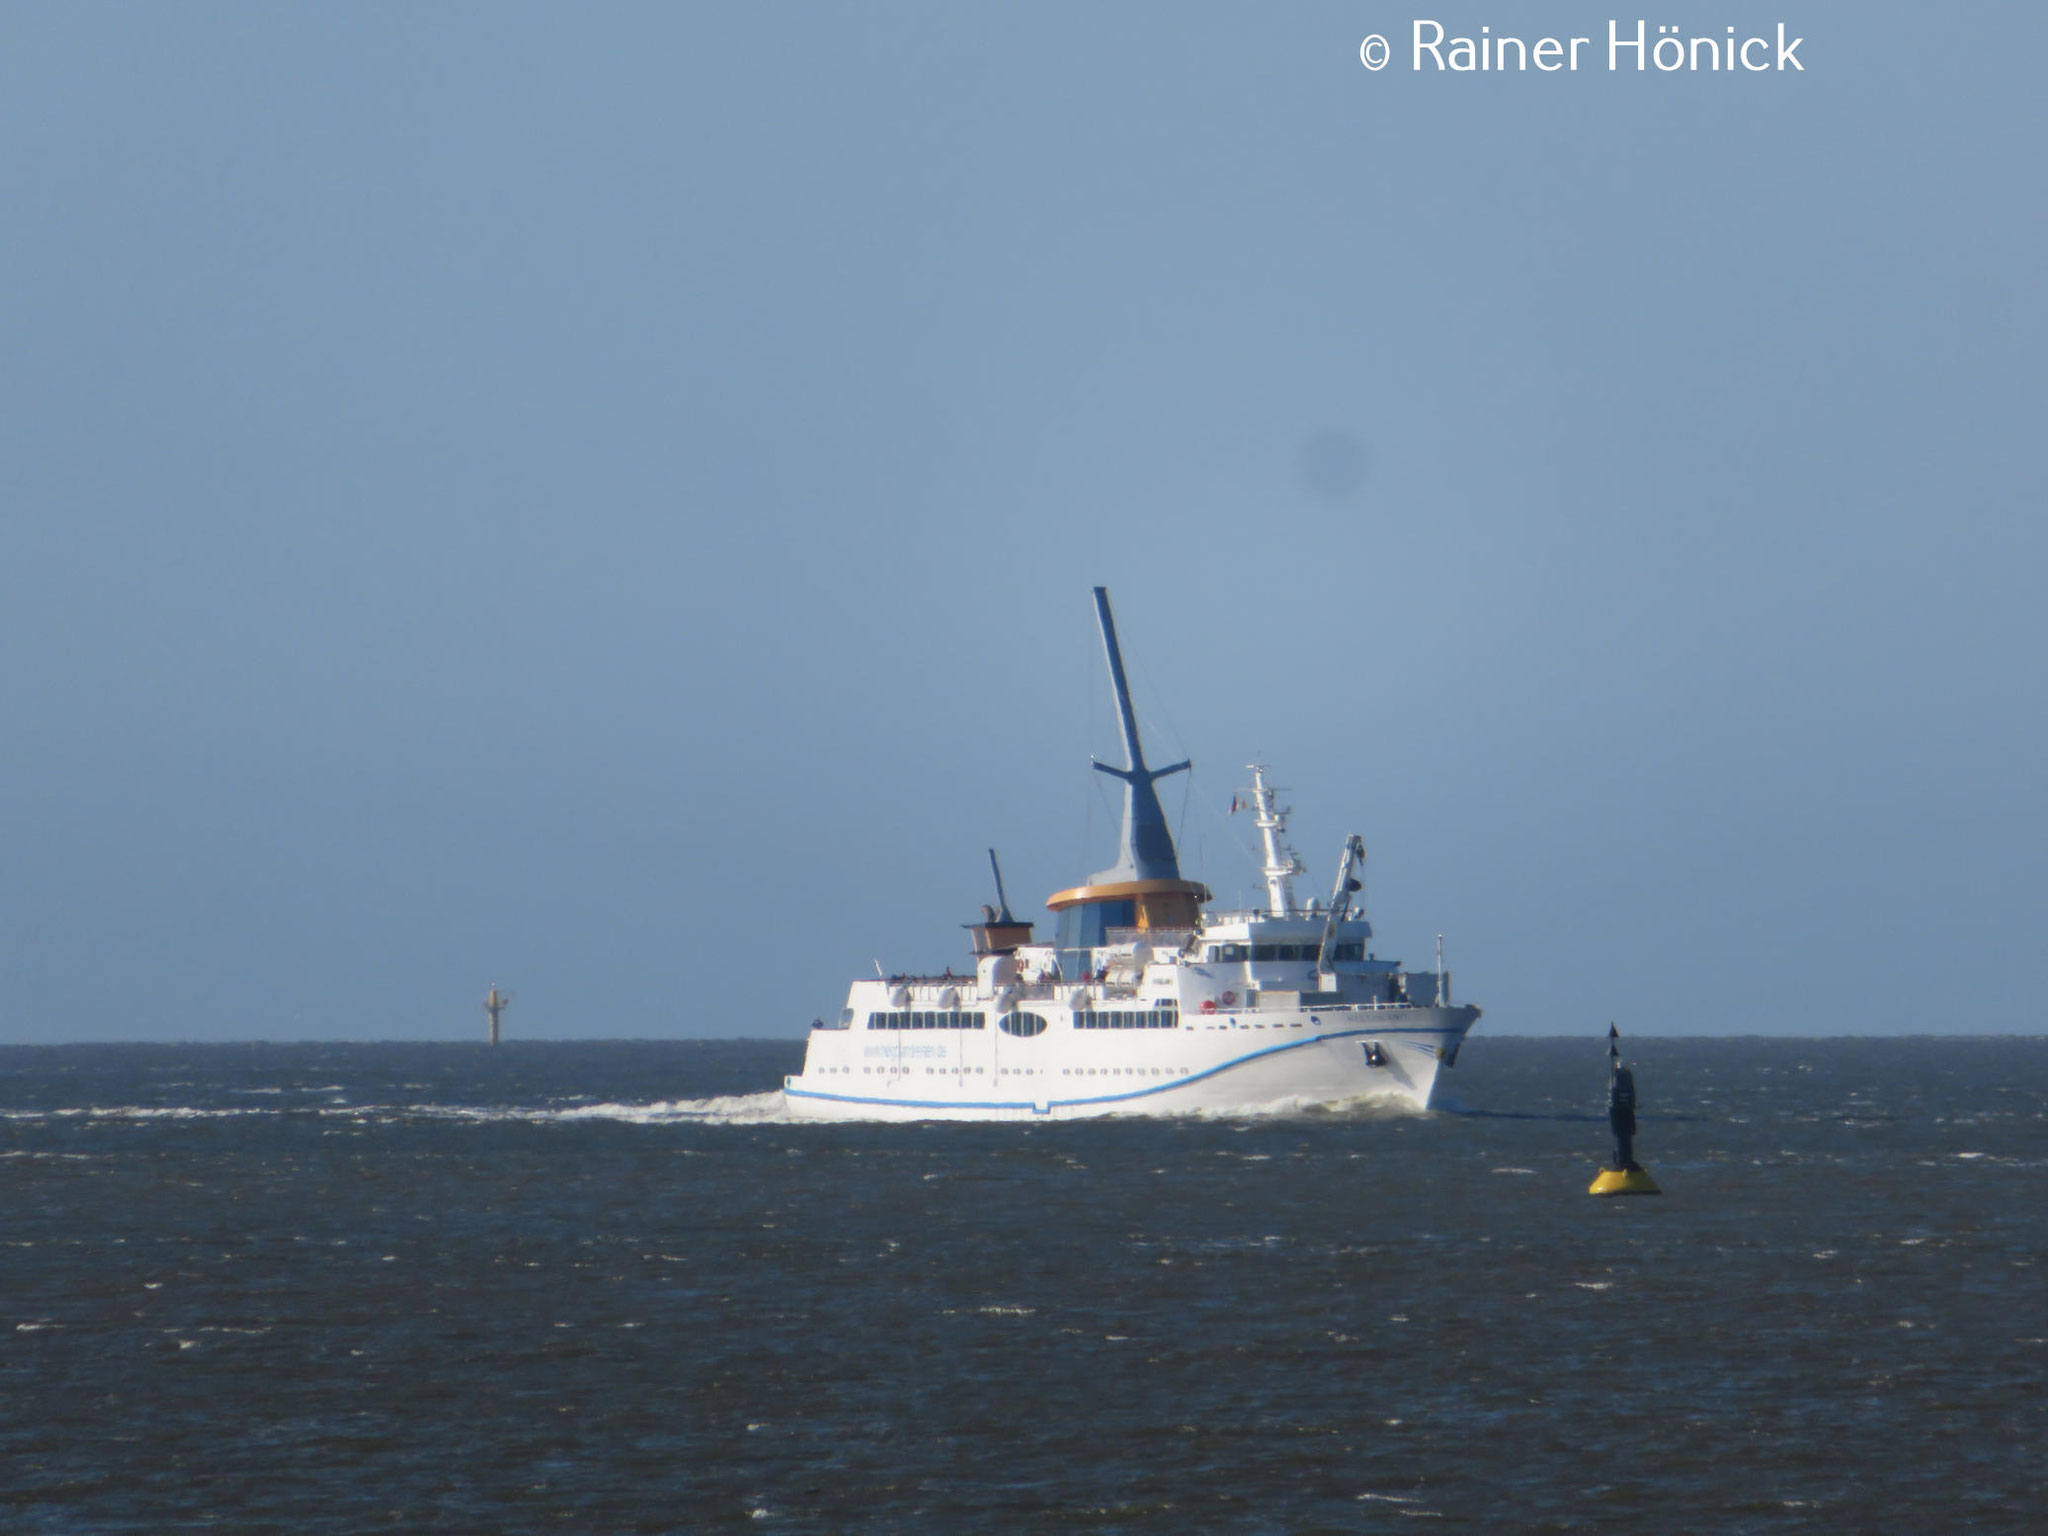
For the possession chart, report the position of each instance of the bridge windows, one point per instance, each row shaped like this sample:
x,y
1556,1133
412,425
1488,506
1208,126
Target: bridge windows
x,y
1353,950
1286,951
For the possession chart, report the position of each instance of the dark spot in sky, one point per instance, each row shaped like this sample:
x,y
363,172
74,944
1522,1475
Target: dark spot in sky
x,y
1331,464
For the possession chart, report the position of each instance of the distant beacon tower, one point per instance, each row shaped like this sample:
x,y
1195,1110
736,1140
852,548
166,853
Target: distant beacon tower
x,y
1144,888
494,1005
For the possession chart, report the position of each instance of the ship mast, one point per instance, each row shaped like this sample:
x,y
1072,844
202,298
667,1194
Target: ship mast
x,y
1143,889
1281,864
1145,851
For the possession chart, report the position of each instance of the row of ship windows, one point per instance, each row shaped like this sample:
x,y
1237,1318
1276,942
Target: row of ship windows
x,y
1155,1018
1025,1025
1231,952
918,1019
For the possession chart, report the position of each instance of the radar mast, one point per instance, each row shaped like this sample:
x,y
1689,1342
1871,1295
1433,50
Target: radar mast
x,y
1282,864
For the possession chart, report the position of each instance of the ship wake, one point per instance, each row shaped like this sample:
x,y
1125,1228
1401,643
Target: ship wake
x,y
725,1109
1303,1107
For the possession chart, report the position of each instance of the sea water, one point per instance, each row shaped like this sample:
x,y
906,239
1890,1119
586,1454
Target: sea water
x,y
609,1288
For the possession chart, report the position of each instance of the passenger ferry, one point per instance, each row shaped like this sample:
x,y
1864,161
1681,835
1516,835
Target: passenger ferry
x,y
1146,1002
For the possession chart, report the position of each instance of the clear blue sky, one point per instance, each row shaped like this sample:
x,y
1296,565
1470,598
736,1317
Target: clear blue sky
x,y
603,500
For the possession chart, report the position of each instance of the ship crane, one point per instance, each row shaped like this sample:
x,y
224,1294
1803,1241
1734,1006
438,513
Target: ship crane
x,y
998,932
1348,885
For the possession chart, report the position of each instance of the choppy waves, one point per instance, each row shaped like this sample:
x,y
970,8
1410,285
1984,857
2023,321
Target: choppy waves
x,y
568,1289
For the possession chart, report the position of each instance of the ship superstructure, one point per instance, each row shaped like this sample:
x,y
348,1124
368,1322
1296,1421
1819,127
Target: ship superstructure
x,y
1147,1000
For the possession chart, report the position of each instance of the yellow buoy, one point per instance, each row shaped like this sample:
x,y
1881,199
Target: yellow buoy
x,y
1626,1176
1624,1181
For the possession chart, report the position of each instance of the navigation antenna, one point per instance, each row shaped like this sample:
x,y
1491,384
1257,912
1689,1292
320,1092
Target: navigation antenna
x,y
494,1005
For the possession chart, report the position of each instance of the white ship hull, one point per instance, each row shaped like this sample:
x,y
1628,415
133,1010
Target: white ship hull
x,y
1248,1063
